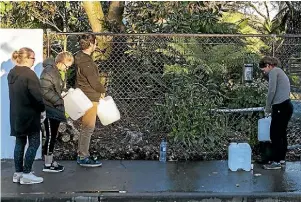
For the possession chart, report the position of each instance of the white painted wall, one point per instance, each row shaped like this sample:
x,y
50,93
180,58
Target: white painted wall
x,y
11,40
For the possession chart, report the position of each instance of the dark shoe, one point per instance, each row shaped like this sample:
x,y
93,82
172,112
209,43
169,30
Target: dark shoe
x,y
88,162
272,166
53,168
283,164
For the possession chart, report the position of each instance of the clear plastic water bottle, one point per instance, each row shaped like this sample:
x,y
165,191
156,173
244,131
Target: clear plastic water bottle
x,y
163,150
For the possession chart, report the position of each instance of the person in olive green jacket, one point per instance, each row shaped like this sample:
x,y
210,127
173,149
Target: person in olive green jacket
x,y
87,79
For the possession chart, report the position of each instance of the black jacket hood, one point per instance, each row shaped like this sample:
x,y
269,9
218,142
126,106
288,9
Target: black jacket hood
x,y
48,62
12,76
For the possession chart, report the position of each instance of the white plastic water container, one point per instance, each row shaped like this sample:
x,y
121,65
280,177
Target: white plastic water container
x,y
107,111
264,129
76,103
239,156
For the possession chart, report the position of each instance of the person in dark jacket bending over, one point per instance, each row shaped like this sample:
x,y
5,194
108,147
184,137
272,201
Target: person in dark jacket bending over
x,y
88,80
279,105
52,86
26,108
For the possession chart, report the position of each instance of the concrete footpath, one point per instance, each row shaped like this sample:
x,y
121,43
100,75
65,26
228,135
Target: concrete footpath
x,y
155,181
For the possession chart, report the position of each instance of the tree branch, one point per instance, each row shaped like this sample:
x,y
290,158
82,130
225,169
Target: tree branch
x,y
267,9
46,21
289,5
254,7
51,24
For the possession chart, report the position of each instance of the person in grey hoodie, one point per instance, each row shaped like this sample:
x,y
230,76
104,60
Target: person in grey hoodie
x,y
279,106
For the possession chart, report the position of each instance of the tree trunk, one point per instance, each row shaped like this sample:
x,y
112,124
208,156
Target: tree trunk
x,y
95,15
97,19
115,15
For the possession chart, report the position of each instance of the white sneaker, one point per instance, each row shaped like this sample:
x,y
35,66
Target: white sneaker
x,y
17,176
30,178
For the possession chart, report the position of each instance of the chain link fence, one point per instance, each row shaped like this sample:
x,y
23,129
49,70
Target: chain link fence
x,y
166,85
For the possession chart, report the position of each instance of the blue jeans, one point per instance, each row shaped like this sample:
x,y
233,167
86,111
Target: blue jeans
x,y
34,143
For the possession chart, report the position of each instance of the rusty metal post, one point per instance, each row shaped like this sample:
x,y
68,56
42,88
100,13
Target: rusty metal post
x,y
273,44
48,42
65,42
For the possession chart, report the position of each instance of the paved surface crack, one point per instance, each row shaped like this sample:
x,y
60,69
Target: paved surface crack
x,y
122,164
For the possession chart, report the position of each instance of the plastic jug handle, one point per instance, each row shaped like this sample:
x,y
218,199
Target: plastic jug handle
x,y
71,89
64,94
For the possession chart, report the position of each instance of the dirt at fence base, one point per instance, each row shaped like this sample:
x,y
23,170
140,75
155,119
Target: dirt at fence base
x,y
120,143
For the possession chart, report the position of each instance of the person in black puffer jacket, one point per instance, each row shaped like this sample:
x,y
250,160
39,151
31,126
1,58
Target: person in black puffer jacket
x,y
52,86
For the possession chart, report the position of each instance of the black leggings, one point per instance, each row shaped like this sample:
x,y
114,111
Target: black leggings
x,y
51,129
281,114
34,143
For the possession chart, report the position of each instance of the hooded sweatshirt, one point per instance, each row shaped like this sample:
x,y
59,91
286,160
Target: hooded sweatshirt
x,y
87,76
26,101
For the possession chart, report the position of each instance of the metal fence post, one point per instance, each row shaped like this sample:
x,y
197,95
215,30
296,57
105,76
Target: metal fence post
x,y
48,42
65,42
273,44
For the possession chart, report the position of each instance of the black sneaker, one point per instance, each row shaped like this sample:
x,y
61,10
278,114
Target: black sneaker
x,y
272,166
282,163
89,162
53,168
